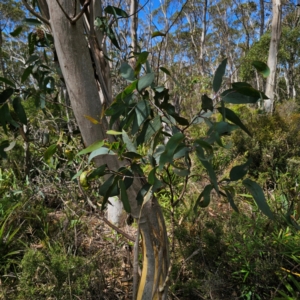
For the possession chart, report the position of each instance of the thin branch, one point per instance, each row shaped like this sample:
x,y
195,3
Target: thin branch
x,y
62,9
77,17
35,13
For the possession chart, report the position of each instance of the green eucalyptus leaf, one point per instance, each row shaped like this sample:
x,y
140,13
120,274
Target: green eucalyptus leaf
x,y
257,193
262,68
19,109
238,172
31,59
142,193
142,57
116,11
150,128
100,151
181,172
109,188
129,145
217,81
145,81
207,103
232,117
17,31
26,73
234,97
170,148
165,70
230,200
205,194
127,72
7,81
100,171
142,112
124,196
157,33
91,148
238,85
6,94
152,179
50,152
132,155
32,21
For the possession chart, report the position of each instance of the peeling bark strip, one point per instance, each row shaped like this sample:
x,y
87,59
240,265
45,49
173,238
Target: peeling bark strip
x,y
77,68
272,59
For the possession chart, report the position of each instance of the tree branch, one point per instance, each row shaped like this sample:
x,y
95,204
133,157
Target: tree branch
x,y
78,16
35,13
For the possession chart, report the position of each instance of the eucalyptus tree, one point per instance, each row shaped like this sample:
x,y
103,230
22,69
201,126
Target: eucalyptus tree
x,y
77,32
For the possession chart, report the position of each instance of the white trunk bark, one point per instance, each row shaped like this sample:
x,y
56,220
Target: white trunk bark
x,y
272,59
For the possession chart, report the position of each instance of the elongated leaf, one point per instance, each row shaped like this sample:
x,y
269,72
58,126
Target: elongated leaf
x,y
113,132
132,155
112,36
26,73
153,180
207,103
50,152
19,109
142,112
170,148
109,188
97,172
142,192
181,172
257,193
165,70
150,128
217,82
142,57
234,97
129,145
262,68
116,11
201,117
238,85
207,165
100,151
145,81
32,21
238,172
126,175
232,117
205,194
209,152
251,92
6,94
157,33
91,148
32,59
124,196
10,147
127,72
17,31
91,119
7,81
230,200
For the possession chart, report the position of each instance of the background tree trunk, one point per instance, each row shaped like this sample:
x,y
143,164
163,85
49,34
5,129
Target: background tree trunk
x,y
272,59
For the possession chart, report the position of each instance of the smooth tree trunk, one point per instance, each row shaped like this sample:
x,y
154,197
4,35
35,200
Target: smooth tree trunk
x,y
272,59
202,40
74,43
